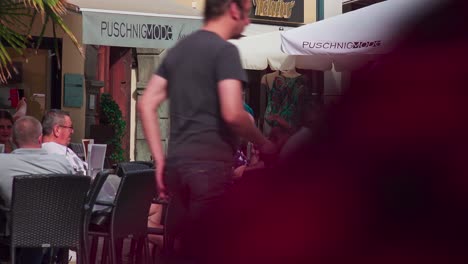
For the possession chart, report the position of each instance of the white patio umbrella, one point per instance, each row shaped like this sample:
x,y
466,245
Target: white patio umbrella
x,y
261,51
354,38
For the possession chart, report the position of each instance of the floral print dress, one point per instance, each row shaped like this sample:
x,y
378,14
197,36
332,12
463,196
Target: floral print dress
x,y
286,99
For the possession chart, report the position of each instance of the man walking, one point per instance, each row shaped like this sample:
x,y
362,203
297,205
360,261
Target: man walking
x,y
203,78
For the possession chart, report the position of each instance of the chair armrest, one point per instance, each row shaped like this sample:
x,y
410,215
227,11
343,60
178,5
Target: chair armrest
x,y
99,202
158,200
156,231
96,186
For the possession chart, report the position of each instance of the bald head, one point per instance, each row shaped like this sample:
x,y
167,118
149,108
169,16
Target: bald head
x,y
27,132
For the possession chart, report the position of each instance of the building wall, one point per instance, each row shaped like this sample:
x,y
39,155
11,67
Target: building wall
x,y
148,61
199,4
72,62
310,11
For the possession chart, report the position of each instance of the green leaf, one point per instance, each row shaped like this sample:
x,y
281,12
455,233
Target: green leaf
x,y
17,18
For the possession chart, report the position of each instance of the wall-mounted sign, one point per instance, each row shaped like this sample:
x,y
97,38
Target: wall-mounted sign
x,y
125,30
72,90
278,12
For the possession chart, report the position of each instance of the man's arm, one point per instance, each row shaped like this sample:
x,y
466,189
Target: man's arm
x,y
233,113
155,93
20,109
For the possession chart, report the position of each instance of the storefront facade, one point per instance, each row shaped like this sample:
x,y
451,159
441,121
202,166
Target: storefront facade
x,y
122,68
288,14
41,78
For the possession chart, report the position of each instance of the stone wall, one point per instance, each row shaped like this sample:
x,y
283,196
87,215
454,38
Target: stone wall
x,y
148,61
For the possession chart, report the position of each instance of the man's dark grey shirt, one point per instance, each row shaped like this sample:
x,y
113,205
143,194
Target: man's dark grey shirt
x,y
193,69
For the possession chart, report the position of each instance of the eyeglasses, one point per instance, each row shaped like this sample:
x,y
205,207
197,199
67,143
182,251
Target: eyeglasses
x,y
70,127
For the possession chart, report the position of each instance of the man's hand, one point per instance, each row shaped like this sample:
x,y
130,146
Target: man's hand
x,y
21,109
161,187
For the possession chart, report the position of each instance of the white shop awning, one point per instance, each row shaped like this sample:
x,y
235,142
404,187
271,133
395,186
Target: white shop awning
x,y
137,23
257,29
345,42
352,39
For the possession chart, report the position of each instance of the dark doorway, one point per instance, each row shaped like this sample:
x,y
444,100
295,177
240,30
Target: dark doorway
x,y
56,69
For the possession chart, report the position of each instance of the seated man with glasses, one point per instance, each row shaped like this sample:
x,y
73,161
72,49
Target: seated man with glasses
x,y
57,128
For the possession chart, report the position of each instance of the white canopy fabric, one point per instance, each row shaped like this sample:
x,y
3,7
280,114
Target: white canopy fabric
x,y
137,23
353,38
257,29
344,42
262,51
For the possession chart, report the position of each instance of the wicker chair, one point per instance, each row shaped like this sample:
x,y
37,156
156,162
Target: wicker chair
x,y
96,186
128,217
47,211
125,167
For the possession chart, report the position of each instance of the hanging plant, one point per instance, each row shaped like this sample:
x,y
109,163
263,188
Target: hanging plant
x,y
112,115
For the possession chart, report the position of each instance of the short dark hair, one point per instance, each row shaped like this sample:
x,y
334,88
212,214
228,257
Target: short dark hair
x,y
216,8
4,114
51,118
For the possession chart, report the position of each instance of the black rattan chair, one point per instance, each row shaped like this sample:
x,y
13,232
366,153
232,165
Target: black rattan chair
x,y
125,167
129,215
161,231
96,186
47,211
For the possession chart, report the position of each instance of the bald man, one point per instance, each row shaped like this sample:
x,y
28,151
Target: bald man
x,y
29,158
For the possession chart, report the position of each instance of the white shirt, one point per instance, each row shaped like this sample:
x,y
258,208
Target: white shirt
x,y
108,190
79,166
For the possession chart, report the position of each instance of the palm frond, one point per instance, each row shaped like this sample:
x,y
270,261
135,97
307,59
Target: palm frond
x,y
56,19
16,33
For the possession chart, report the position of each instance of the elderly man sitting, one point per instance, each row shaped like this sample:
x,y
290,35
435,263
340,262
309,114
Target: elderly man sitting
x,y
28,158
57,128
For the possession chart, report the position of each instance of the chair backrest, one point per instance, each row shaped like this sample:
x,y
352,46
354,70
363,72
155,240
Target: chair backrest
x,y
78,149
125,167
132,203
47,210
96,157
96,187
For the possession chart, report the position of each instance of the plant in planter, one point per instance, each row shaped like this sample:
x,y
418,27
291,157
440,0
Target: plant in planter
x,y
112,116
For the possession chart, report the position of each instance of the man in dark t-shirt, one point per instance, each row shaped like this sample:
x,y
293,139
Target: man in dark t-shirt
x,y
203,78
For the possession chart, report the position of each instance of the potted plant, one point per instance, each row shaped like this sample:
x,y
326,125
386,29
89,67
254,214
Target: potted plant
x,y
111,115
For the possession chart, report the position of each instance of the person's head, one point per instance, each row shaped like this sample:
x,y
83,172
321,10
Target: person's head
x,y
27,132
6,124
57,126
236,10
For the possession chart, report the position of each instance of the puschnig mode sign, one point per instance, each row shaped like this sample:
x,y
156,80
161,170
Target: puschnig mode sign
x,y
137,31
340,45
